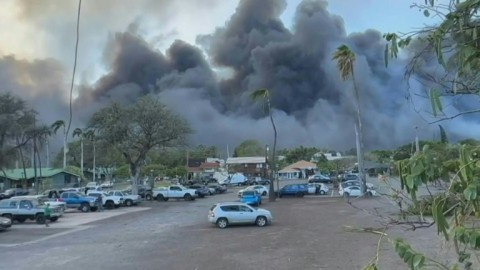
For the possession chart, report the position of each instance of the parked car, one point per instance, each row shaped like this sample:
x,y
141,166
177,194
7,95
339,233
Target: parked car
x,y
355,183
251,197
219,189
258,181
355,191
231,213
109,201
316,188
262,190
319,178
128,199
107,184
13,192
174,192
202,190
298,190
79,201
91,185
21,209
5,223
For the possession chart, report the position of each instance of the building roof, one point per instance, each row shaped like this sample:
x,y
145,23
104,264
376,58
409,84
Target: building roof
x,y
18,174
245,160
209,165
297,166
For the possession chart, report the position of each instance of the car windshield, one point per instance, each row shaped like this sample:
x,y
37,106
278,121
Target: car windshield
x,y
249,193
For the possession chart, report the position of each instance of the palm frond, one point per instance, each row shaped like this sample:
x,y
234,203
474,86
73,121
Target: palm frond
x,y
58,124
77,132
345,60
259,94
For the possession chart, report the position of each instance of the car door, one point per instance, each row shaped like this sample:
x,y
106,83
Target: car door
x,y
74,199
174,192
26,209
355,191
246,214
231,212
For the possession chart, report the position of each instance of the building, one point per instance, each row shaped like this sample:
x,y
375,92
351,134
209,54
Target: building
x,y
329,156
47,178
249,166
300,169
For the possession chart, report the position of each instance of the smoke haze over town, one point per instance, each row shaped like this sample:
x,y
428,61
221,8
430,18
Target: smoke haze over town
x,y
208,76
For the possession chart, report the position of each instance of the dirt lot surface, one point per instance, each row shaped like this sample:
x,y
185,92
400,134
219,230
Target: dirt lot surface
x,y
306,233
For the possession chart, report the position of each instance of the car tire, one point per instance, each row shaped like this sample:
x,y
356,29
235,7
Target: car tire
x,y
84,207
40,219
369,194
128,202
261,221
346,194
222,223
300,194
93,209
264,193
188,197
160,197
148,197
260,203
109,205
280,196
322,192
53,219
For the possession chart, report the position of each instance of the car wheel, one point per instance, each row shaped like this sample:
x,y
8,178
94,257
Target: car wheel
x,y
8,216
148,197
109,205
128,202
40,219
346,194
21,220
261,221
53,219
300,194
322,192
187,197
280,196
84,207
94,208
260,203
160,197
222,223
369,194
264,193
165,199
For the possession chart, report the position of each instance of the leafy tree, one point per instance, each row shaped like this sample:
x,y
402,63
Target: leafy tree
x,y
139,128
60,124
300,153
345,59
249,148
78,132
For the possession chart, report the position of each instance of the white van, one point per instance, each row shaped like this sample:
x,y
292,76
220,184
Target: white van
x,y
236,179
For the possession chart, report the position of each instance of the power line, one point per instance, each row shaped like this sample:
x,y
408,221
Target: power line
x,y
74,65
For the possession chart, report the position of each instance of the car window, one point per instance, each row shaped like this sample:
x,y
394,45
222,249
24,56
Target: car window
x,y
118,194
175,188
229,208
73,195
244,208
249,193
25,204
355,188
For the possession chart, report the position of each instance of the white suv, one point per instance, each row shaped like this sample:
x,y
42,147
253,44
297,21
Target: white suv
x,y
231,213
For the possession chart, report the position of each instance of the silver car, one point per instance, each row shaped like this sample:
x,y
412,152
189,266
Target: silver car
x,y
231,213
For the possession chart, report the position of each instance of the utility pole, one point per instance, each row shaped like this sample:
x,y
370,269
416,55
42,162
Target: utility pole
x,y
361,167
34,151
94,165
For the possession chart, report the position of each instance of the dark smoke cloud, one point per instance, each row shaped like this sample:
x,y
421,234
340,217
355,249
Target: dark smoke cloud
x,y
312,105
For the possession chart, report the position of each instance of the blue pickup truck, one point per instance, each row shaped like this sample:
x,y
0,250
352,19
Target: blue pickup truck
x,y
79,201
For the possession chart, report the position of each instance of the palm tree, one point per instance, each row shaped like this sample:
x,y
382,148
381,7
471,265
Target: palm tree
x,y
345,59
56,126
90,135
264,94
79,132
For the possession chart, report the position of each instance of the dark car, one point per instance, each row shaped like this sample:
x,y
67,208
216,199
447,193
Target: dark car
x,y
218,188
7,194
298,190
258,181
318,178
202,191
350,177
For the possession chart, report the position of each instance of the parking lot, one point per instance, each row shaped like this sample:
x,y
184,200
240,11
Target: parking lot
x,y
306,233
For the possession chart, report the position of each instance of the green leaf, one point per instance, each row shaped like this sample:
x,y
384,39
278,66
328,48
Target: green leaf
x,y
470,192
418,169
426,13
418,261
432,102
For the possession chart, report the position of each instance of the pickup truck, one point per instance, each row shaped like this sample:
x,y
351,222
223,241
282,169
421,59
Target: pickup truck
x,y
110,201
21,209
128,199
52,201
79,201
174,192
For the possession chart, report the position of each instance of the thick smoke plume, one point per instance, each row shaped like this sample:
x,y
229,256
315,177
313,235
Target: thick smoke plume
x,y
211,87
